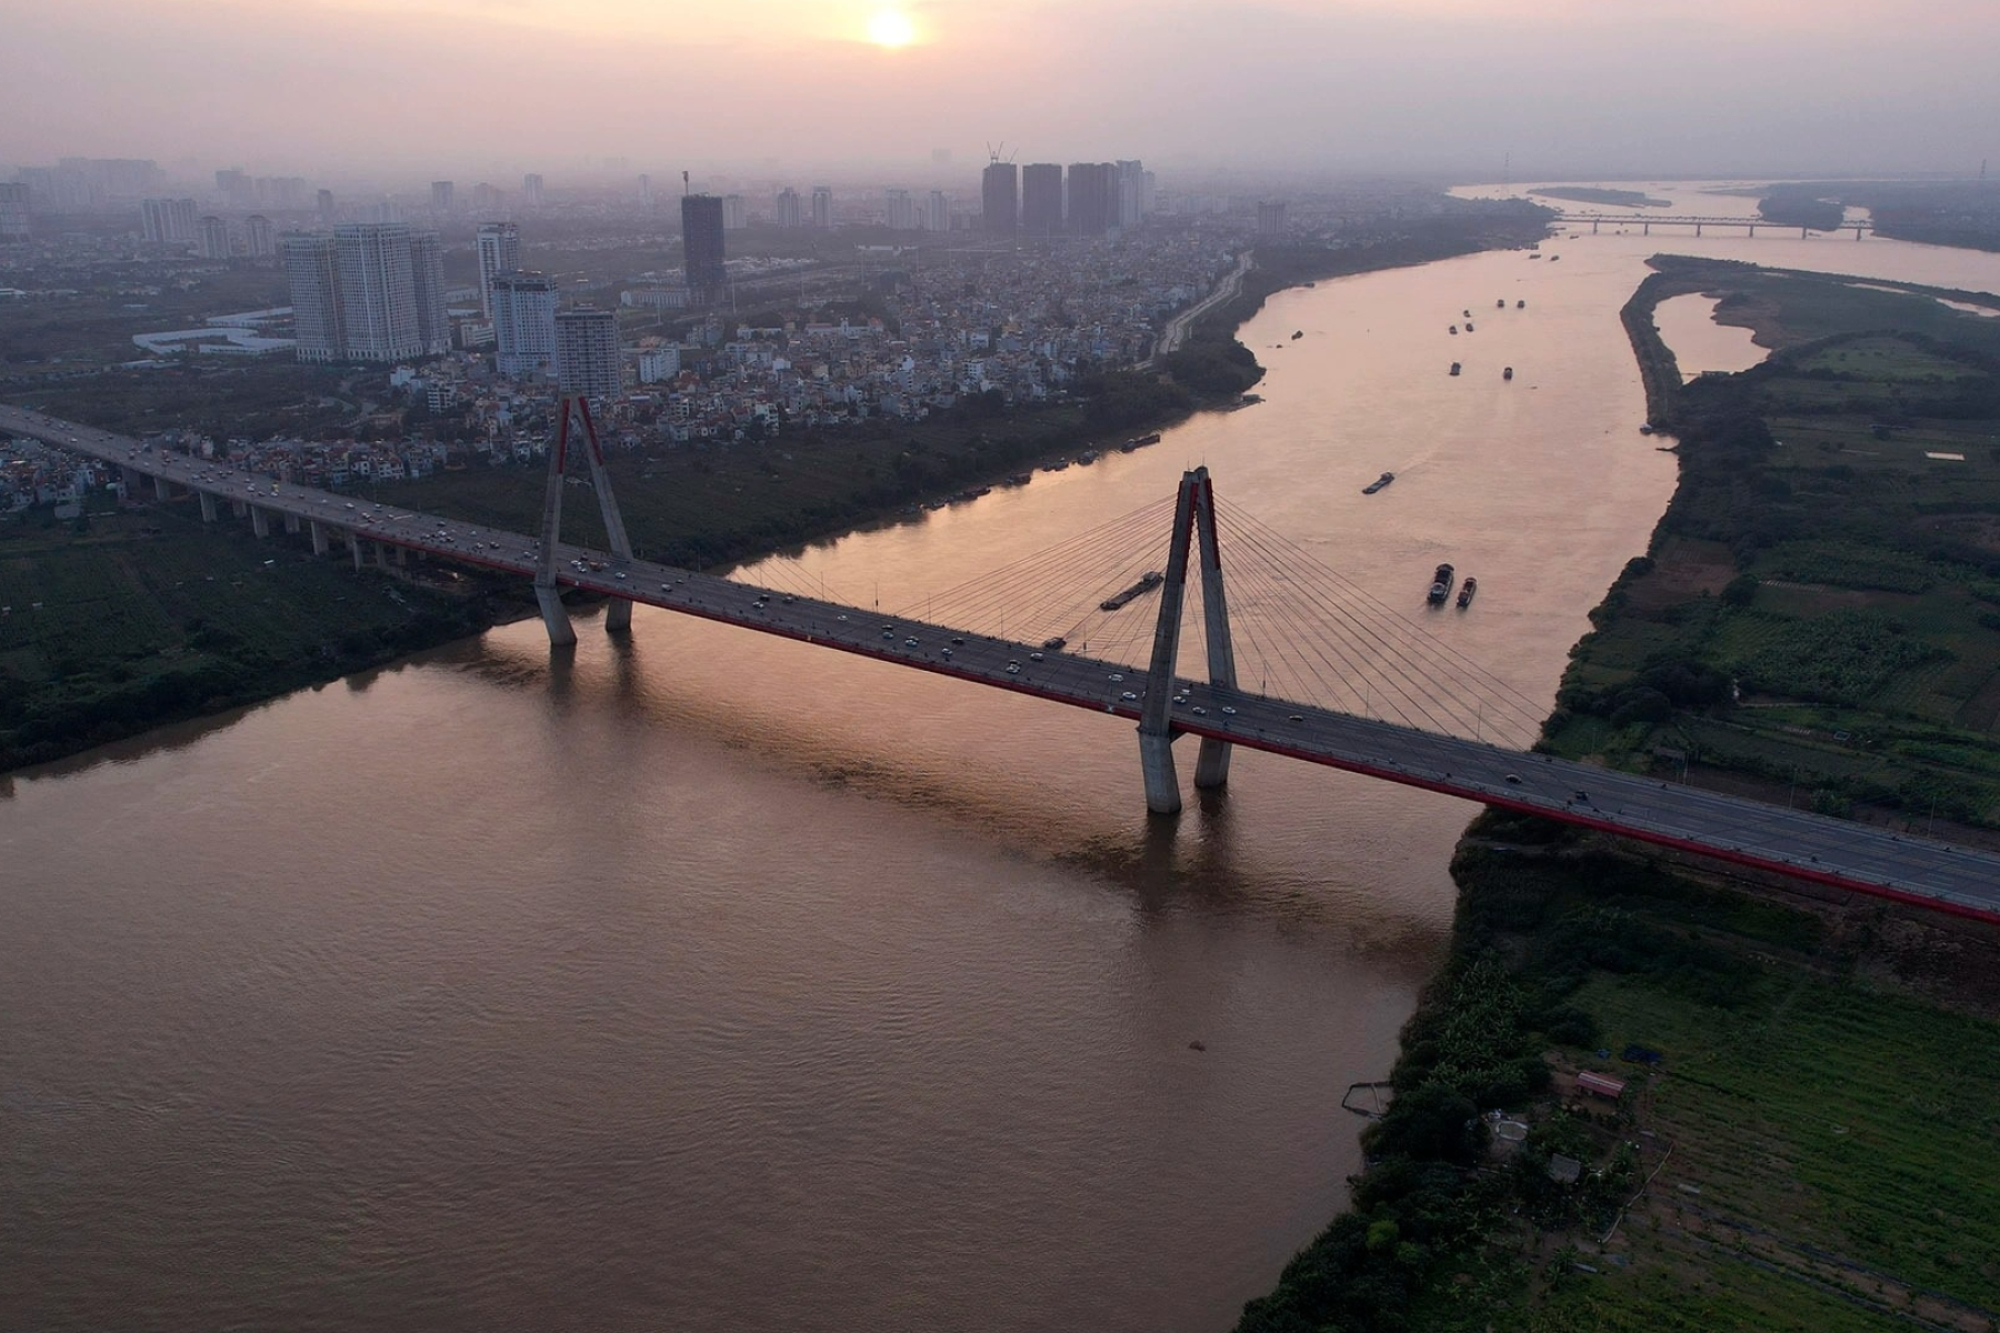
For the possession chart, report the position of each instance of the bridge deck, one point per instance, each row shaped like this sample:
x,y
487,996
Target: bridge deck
x,y
1812,847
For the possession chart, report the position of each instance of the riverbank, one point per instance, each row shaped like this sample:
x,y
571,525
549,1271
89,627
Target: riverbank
x,y
1778,1100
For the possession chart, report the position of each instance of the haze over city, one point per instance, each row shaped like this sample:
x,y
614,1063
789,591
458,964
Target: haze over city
x,y
1445,86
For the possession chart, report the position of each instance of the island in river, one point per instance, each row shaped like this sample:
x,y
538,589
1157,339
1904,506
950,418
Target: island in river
x,y
1592,194
1647,1092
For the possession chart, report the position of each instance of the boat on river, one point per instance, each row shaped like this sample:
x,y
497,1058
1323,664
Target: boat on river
x,y
1378,483
1454,330
1148,581
1465,592
1440,585
1455,367
1507,374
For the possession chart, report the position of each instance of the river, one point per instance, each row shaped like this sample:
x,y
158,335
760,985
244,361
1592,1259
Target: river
x,y
712,981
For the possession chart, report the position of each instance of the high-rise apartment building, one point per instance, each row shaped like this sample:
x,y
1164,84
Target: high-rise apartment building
x,y
167,221
897,212
1270,219
324,203
588,360
937,212
735,214
499,252
238,190
427,278
791,214
1128,188
13,211
211,238
367,292
1089,198
646,192
524,324
442,193
701,241
260,239
313,270
822,208
531,187
1041,199
999,200
378,292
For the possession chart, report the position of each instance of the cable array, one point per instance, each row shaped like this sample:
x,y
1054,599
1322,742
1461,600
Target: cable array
x,y
1301,631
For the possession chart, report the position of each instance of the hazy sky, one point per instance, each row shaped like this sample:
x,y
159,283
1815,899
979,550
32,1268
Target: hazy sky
x,y
470,88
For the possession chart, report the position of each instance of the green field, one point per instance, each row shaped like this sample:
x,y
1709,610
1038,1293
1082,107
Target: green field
x,y
1832,556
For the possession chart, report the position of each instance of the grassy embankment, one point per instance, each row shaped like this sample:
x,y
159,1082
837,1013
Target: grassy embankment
x,y
125,621
1813,1148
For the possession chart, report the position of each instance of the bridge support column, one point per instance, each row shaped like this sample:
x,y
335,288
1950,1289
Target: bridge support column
x,y
130,476
260,521
1194,518
1857,233
208,507
576,434
1697,229
1646,229
318,537
238,508
292,524
1753,231
1593,226
354,548
162,489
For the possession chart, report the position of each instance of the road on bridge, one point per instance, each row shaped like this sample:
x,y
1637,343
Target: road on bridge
x,y
1797,843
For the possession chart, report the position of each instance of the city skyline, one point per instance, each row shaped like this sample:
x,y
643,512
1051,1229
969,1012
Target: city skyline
x,y
1454,86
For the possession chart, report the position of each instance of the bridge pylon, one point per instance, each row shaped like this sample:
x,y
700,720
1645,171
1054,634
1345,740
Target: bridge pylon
x,y
1194,537
576,437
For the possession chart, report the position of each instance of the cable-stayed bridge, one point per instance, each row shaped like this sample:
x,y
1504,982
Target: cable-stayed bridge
x,y
1288,657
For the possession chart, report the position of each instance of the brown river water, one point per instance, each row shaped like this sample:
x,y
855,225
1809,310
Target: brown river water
x,y
712,981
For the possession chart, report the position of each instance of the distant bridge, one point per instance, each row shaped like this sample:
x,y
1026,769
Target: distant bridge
x,y
1646,222
1217,711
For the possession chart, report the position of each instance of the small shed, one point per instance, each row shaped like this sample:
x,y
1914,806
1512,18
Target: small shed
x,y
1600,1085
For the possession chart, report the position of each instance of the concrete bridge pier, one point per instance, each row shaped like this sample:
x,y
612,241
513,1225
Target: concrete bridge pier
x,y
292,524
354,548
1156,766
1211,767
238,508
555,618
1697,229
319,541
576,436
1753,231
208,509
1593,226
1646,229
130,477
260,521
162,489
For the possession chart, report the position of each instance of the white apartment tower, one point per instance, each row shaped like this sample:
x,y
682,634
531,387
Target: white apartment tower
x,y
427,290
211,238
791,214
314,274
259,240
822,208
524,324
378,292
587,354
735,214
499,252
167,221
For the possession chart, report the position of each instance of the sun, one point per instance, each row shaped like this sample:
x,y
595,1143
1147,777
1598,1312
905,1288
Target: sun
x,y
891,28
